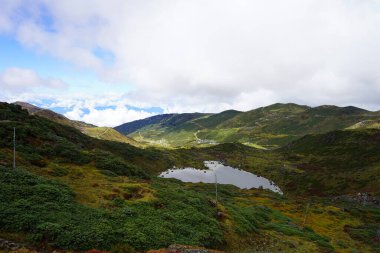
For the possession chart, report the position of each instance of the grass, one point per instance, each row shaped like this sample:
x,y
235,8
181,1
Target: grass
x,y
110,134
74,192
164,211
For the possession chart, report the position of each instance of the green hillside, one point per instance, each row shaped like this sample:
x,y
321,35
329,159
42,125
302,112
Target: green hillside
x,y
366,124
339,161
267,127
73,192
104,133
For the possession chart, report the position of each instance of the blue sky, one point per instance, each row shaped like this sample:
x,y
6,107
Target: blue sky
x,y
15,55
109,62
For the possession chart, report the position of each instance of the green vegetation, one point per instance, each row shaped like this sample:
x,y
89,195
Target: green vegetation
x,y
336,163
74,192
47,210
367,124
109,134
270,127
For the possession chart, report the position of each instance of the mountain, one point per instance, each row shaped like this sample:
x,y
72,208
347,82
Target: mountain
x,y
71,192
104,133
157,130
271,126
164,120
49,114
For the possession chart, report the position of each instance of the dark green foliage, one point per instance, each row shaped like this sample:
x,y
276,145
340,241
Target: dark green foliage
x,y
47,211
335,163
307,233
131,127
216,119
369,233
39,140
107,161
164,120
248,219
59,171
37,137
34,159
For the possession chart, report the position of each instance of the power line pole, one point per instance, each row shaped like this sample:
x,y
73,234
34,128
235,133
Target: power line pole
x,y
14,148
306,213
216,192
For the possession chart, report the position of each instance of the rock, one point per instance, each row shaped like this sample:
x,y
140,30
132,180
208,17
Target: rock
x,y
8,245
212,202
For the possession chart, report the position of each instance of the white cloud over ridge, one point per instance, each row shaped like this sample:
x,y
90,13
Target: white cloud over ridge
x,y
110,117
216,54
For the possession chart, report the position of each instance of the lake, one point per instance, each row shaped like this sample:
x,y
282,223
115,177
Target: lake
x,y
224,174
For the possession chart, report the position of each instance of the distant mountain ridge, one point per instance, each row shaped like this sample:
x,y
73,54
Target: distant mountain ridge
x,y
166,120
46,113
104,133
269,126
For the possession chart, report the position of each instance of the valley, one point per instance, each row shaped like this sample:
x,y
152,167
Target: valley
x,y
74,192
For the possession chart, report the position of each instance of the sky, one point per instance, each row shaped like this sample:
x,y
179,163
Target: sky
x,y
108,62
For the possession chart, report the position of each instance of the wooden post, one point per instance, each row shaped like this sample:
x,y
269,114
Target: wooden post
x,y
14,148
216,191
306,213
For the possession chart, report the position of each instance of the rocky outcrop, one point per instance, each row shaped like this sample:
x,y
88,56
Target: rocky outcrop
x,y
9,246
364,198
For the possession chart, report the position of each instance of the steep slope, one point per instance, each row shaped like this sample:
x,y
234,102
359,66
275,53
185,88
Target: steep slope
x,y
133,126
270,126
163,130
164,120
104,133
52,139
49,114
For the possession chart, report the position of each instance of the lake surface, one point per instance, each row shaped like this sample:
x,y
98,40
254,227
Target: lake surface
x,y
224,175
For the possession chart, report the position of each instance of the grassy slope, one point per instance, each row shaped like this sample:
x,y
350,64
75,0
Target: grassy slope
x,y
104,133
270,126
367,124
95,193
110,134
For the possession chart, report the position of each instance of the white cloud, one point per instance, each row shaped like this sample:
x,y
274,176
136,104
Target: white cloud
x,y
217,54
16,80
108,117
7,11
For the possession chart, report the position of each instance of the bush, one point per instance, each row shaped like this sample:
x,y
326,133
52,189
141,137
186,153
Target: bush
x,y
122,248
46,210
59,171
107,161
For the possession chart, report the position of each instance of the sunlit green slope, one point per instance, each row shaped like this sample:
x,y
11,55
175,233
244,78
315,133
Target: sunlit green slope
x,y
268,127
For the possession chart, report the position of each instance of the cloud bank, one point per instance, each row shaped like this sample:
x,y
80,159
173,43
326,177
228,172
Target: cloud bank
x,y
108,117
216,54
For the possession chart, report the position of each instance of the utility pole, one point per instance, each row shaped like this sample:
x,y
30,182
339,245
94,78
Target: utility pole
x,y
216,192
14,148
306,213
